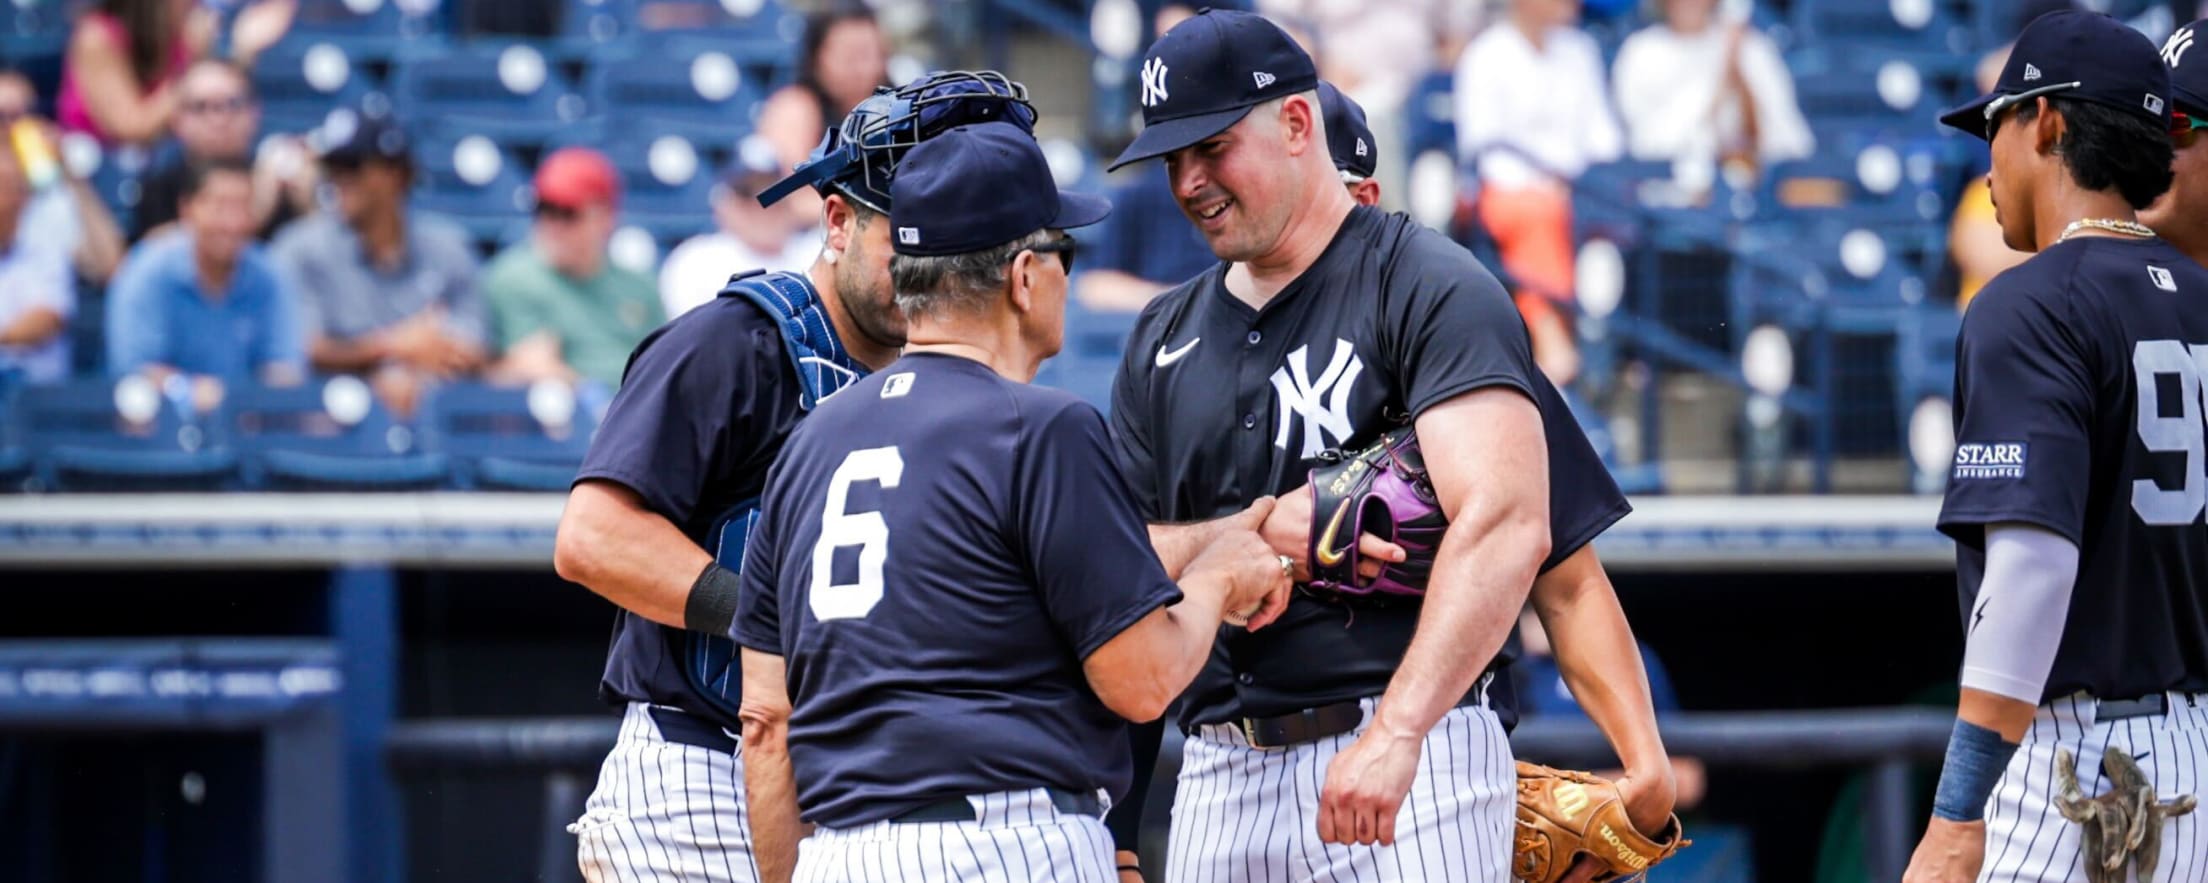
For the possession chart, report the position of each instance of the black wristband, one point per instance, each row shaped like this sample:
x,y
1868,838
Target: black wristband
x,y
712,605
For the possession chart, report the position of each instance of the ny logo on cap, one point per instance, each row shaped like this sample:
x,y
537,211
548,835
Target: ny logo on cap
x,y
2030,72
2153,104
1263,79
2173,52
1153,82
908,235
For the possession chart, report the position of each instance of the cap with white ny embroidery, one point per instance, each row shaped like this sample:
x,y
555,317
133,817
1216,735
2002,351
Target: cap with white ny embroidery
x,y
1205,74
2188,69
2077,55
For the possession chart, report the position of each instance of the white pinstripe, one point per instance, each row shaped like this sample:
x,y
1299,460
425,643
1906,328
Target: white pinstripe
x,y
1016,835
664,811
1250,815
2027,841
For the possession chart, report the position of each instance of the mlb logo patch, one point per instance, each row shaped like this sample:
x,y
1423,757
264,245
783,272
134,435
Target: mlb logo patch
x,y
2153,103
897,385
1995,460
2162,278
908,235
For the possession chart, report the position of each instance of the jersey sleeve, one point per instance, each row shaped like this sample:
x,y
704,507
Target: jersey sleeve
x,y
1131,443
1085,547
2024,397
758,599
683,409
1450,326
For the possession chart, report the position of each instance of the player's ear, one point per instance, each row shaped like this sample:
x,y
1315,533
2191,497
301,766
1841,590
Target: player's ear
x,y
1299,123
836,224
2047,127
1020,283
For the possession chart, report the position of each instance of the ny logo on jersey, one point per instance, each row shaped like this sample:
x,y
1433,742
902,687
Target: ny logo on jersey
x,y
1153,82
1323,404
2173,52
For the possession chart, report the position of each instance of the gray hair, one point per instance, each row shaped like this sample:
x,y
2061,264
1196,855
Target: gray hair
x,y
940,285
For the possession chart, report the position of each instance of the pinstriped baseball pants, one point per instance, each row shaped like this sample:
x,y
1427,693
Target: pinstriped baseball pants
x,y
1250,815
1016,835
2028,840
665,811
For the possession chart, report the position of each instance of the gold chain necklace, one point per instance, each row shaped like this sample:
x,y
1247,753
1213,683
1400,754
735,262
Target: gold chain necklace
x,y
2125,228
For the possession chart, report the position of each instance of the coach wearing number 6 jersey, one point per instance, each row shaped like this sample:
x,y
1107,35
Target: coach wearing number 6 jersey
x,y
950,605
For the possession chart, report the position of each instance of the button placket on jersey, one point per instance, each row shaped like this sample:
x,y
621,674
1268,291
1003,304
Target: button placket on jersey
x,y
1253,385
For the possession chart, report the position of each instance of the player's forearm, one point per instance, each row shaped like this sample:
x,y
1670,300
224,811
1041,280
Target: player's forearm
x,y
770,781
1177,544
1601,664
1139,672
612,545
1482,573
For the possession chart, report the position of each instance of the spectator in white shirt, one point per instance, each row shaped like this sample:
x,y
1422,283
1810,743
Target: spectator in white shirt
x,y
749,238
1704,90
1533,111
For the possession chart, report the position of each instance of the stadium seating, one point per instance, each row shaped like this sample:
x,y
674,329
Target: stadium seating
x,y
512,90
503,438
329,435
81,439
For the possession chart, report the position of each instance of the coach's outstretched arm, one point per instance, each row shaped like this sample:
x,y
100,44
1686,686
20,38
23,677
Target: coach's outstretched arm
x,y
1601,664
1141,670
770,784
1489,462
611,544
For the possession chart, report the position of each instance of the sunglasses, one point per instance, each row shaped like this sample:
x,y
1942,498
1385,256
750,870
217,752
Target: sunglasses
x,y
1064,247
2183,125
555,212
1997,105
201,107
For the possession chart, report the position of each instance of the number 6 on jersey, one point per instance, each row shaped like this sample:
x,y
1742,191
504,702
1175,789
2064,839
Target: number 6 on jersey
x,y
866,530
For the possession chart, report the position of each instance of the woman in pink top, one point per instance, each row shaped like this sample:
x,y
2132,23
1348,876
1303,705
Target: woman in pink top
x,y
124,59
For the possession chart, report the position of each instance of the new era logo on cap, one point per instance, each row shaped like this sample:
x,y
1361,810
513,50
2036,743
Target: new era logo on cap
x,y
1263,79
908,235
1361,149
2031,72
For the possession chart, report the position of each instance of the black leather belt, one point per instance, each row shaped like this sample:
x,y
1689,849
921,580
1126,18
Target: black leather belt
x,y
959,809
1313,724
686,729
2150,705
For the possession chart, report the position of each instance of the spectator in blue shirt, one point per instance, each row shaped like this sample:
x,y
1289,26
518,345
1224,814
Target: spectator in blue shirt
x,y
1144,248
202,306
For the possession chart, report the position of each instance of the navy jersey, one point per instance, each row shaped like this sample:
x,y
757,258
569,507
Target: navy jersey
x,y
703,409
938,550
2078,409
1218,403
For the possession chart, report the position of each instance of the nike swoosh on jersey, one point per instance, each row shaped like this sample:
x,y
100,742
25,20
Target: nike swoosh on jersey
x,y
1168,357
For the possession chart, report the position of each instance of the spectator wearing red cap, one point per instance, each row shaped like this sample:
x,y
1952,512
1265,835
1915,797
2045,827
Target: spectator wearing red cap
x,y
563,311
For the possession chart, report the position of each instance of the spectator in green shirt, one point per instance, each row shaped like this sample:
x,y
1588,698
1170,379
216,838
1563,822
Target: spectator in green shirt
x,y
565,312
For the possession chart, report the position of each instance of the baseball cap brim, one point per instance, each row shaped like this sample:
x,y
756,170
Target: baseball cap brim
x,y
1166,136
1079,210
2189,101
1970,118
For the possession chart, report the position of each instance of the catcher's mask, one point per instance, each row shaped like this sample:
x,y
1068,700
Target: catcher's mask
x,y
858,157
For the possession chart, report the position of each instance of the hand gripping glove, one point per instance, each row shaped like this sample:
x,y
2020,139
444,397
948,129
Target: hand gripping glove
x,y
1563,814
1382,490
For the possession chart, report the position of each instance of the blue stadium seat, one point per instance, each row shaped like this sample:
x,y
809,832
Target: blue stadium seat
x,y
365,28
15,451
329,435
753,19
1430,115
1089,361
1880,23
716,78
511,90
80,440
665,174
301,80
473,181
511,438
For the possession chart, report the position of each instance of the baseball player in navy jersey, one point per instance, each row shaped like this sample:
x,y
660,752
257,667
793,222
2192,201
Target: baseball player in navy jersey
x,y
951,603
659,513
2075,499
2181,215
1352,741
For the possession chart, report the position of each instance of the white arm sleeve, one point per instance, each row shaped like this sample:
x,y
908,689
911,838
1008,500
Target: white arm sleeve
x,y
2023,604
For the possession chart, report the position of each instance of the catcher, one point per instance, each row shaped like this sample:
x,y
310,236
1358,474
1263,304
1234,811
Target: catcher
x,y
1356,738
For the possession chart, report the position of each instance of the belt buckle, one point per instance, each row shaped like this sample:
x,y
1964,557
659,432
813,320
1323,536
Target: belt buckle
x,y
1249,732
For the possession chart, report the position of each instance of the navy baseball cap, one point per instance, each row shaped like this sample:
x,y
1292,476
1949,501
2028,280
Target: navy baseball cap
x,y
2083,56
1207,72
1347,136
349,136
2188,71
977,187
